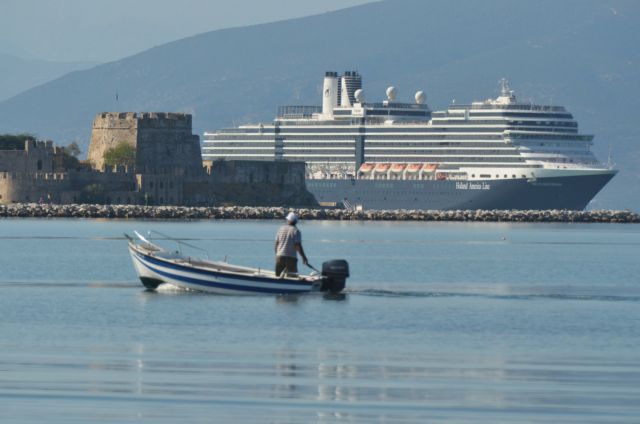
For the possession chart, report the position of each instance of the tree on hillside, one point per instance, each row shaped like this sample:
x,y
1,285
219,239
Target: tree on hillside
x,y
122,154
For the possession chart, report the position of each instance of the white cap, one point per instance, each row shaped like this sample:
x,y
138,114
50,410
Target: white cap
x,y
292,218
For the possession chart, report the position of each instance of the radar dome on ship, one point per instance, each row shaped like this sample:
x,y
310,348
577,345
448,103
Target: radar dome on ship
x,y
391,93
359,95
420,97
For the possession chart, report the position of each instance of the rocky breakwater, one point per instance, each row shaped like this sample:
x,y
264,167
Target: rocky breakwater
x,y
31,210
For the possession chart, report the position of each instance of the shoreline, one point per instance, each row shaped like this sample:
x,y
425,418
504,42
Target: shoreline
x,y
33,210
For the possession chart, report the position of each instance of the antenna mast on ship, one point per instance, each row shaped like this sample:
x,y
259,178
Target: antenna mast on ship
x,y
504,87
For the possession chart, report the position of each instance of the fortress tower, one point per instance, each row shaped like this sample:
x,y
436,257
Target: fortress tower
x,y
163,142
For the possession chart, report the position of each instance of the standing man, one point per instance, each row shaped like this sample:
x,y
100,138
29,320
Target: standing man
x,y
288,244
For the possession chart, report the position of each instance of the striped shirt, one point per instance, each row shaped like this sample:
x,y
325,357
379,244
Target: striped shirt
x,y
286,239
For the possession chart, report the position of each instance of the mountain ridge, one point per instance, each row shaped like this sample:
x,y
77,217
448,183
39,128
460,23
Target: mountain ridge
x,y
20,74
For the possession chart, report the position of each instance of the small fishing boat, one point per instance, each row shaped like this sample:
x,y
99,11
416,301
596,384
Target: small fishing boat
x,y
156,265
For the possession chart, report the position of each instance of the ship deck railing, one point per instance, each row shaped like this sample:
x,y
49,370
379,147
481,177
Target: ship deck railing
x,y
530,107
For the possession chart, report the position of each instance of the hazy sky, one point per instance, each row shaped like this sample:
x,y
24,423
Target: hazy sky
x,y
105,30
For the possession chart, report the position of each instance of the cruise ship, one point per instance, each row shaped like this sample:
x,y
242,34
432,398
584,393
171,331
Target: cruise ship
x,y
500,153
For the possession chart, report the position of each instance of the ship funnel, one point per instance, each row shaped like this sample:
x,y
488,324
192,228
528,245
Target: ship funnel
x,y
329,94
350,82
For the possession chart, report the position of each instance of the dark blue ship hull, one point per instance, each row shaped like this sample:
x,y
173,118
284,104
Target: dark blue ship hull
x,y
567,192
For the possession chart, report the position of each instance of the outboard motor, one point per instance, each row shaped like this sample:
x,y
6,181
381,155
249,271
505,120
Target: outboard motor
x,y
335,273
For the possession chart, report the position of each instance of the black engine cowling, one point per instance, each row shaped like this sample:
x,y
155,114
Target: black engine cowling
x,y
335,273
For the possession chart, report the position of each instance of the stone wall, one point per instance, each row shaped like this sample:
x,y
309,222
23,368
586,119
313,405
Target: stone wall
x,y
161,189
37,156
115,185
37,187
256,171
27,175
251,183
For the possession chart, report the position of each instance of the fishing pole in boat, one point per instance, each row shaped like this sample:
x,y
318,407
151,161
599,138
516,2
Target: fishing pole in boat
x,y
312,267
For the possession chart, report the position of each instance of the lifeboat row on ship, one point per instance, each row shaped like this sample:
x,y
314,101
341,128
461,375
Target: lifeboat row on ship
x,y
403,171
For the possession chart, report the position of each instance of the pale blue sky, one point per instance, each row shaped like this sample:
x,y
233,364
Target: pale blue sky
x,y
105,30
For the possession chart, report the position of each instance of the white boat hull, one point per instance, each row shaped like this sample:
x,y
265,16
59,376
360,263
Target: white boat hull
x,y
154,269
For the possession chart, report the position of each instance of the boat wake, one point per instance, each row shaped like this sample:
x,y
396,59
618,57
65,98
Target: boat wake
x,y
518,296
408,292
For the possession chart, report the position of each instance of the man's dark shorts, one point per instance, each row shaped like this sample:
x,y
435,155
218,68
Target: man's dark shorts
x,y
282,262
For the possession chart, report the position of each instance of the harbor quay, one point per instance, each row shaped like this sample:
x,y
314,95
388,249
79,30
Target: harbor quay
x,y
35,210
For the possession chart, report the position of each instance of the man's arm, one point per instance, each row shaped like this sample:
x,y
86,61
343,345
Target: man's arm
x,y
301,252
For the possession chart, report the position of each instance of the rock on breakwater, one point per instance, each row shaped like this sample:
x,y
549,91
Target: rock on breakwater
x,y
32,210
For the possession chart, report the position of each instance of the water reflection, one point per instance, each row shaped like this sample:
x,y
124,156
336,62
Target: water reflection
x,y
328,384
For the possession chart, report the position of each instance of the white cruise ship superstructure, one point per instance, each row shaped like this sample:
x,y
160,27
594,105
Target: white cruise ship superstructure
x,y
495,154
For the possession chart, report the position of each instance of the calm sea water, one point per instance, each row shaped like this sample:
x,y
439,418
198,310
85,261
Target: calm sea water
x,y
442,322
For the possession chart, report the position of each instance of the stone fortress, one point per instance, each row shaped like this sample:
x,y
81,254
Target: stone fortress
x,y
168,169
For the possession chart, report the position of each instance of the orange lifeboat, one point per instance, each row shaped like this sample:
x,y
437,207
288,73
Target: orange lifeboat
x,y
429,167
382,167
398,167
414,167
366,167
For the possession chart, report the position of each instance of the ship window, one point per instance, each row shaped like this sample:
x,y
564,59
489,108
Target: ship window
x,y
505,175
497,176
513,176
